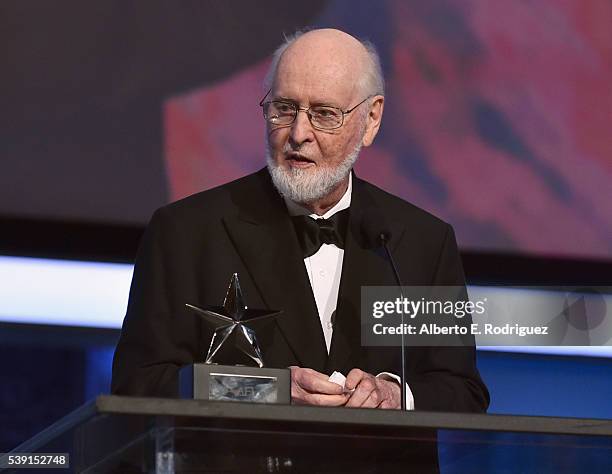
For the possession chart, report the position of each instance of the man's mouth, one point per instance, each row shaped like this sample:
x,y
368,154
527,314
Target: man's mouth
x,y
299,161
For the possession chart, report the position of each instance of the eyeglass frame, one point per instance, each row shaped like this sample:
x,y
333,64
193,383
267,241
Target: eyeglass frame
x,y
307,110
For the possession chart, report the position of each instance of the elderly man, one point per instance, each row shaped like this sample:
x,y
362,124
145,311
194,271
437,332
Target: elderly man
x,y
325,102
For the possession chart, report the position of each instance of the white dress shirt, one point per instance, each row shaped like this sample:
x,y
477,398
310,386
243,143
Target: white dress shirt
x,y
324,270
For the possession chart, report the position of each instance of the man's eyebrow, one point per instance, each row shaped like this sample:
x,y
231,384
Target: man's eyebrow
x,y
314,103
284,99
327,103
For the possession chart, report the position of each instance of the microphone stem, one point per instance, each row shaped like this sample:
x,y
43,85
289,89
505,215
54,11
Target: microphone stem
x,y
383,239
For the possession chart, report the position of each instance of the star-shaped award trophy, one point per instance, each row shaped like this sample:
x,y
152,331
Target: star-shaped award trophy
x,y
232,338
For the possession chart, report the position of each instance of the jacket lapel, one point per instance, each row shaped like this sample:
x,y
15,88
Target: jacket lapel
x,y
264,237
364,264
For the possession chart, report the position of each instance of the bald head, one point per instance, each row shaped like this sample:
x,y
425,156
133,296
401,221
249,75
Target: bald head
x,y
328,56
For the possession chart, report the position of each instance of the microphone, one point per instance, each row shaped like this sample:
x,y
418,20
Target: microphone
x,y
377,232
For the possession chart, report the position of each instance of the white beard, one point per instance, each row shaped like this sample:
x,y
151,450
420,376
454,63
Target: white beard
x,y
308,185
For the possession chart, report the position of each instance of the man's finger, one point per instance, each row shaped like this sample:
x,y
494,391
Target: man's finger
x,y
316,385
353,378
315,382
373,401
325,400
362,392
388,405
358,397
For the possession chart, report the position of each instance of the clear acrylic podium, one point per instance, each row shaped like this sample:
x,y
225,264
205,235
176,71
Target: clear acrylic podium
x,y
151,435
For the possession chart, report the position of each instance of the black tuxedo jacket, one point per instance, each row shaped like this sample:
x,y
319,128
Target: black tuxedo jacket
x,y
192,247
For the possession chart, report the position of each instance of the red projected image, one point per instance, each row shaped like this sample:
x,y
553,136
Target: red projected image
x,y
497,119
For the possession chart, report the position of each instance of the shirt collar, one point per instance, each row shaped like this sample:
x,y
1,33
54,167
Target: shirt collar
x,y
296,209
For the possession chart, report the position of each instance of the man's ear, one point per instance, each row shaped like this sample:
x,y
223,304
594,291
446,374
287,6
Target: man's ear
x,y
373,119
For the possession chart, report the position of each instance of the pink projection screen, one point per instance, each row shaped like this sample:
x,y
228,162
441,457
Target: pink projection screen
x,y
498,119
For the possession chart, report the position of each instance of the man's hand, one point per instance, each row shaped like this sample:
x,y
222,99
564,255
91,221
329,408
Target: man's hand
x,y
309,387
372,392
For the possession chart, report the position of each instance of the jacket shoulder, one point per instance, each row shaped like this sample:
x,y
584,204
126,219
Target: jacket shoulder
x,y
214,202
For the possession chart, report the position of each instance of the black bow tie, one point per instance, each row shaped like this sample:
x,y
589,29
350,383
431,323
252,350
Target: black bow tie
x,y
312,233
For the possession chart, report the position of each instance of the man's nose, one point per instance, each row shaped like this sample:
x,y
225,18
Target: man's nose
x,y
301,128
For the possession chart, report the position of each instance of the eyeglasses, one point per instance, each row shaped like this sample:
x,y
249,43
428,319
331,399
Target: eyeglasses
x,y
322,117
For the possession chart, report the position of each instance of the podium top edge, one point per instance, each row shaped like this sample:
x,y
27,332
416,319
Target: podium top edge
x,y
299,415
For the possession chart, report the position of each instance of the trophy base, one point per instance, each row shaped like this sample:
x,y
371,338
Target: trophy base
x,y
235,383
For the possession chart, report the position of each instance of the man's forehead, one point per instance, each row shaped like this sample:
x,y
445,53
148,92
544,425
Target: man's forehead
x,y
316,85
322,76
